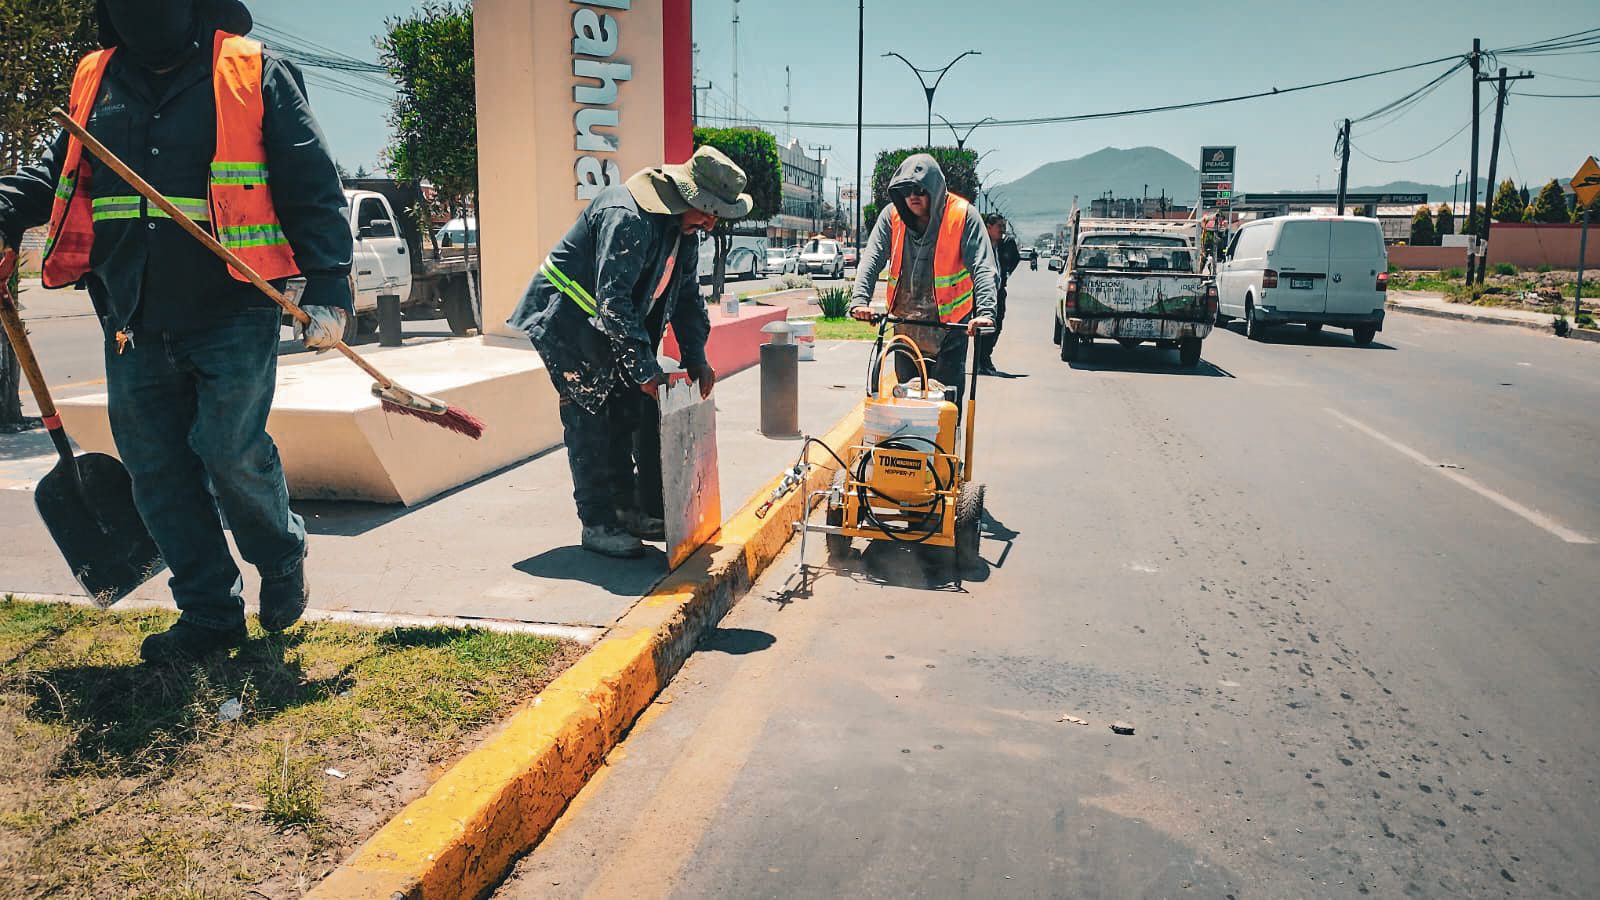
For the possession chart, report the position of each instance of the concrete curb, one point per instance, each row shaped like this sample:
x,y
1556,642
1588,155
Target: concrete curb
x,y
1483,319
461,837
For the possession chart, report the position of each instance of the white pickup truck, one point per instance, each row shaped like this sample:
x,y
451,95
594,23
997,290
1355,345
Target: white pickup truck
x,y
393,256
1131,281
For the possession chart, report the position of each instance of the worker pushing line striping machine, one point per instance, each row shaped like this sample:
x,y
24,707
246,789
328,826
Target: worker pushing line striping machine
x,y
905,482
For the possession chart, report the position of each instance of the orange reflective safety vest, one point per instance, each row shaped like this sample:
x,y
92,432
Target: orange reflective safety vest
x,y
952,280
239,203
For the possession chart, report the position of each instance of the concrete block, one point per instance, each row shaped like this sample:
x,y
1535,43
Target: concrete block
x,y
337,443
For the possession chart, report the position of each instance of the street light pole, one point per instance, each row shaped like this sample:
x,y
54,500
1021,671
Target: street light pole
x,y
861,60
961,140
929,91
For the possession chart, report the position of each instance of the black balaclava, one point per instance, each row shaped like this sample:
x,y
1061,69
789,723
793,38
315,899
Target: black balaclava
x,y
155,33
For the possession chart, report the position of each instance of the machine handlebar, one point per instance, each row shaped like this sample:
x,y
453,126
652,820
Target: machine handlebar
x,y
880,319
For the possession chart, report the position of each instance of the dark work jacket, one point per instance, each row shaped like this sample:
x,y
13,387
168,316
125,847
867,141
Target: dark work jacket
x,y
1007,256
146,272
617,253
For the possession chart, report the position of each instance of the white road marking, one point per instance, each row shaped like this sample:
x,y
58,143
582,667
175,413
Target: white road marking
x,y
1532,515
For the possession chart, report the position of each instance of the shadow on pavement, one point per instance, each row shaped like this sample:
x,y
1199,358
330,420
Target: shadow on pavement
x,y
1105,357
623,577
1298,336
26,443
736,641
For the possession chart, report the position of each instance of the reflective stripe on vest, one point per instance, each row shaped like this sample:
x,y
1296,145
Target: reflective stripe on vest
x,y
239,205
107,208
570,288
952,280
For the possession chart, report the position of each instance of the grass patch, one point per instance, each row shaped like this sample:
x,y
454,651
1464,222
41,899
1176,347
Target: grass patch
x,y
120,779
845,328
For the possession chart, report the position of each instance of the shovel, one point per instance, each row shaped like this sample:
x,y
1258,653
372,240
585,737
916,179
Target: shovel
x,y
86,501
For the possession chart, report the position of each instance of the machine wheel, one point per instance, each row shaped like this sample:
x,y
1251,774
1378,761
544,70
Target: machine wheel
x,y
1059,330
1071,347
457,303
969,526
1189,352
1254,329
1313,328
1363,334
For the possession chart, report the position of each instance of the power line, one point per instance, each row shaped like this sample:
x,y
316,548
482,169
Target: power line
x,y
1555,96
1085,117
1427,152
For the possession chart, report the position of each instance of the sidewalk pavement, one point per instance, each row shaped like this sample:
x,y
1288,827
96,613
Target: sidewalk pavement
x,y
1427,303
502,548
38,303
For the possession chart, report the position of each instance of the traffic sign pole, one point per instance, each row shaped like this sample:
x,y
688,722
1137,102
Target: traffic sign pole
x,y
1583,245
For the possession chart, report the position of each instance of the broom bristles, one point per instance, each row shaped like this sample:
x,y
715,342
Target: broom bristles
x,y
452,419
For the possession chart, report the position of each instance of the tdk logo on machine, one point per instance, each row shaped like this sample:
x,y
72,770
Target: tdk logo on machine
x,y
901,465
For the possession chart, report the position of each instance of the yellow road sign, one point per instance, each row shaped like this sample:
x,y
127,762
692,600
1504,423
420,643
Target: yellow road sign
x,y
1586,184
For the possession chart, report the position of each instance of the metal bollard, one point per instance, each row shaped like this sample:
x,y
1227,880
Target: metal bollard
x,y
780,383
388,320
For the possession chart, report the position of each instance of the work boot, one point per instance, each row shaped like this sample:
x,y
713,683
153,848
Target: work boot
x,y
187,642
609,540
641,525
284,598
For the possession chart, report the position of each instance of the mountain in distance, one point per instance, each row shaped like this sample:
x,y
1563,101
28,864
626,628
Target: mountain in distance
x,y
1039,200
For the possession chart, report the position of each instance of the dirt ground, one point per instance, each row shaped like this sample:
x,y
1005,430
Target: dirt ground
x,y
253,775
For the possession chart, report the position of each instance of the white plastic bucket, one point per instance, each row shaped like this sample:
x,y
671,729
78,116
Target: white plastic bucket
x,y
902,418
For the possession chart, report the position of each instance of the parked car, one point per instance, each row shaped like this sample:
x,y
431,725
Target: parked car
x,y
1057,264
822,256
1305,270
851,257
780,261
745,258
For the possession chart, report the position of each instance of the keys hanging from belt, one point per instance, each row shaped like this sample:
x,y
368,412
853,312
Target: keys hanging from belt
x,y
124,340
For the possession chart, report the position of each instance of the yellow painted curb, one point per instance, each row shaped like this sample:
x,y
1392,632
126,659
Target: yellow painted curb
x,y
460,838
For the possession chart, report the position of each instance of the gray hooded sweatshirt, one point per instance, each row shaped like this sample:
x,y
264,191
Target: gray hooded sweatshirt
x,y
913,297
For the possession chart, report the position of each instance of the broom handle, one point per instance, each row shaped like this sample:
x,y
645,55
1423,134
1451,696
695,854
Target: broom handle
x,y
187,224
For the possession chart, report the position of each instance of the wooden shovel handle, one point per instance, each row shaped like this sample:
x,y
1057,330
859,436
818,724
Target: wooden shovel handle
x,y
17,333
155,198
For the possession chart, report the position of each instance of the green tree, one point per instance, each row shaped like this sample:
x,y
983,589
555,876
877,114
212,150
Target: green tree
x,y
1577,211
1444,221
1508,203
1474,220
1422,234
434,114
960,172
41,42
1551,204
756,152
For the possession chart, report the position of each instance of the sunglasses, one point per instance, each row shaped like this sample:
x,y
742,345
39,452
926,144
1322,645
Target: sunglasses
x,y
917,192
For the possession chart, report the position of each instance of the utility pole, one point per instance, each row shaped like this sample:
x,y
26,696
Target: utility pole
x,y
816,204
1472,176
788,129
1344,162
861,61
1494,160
736,60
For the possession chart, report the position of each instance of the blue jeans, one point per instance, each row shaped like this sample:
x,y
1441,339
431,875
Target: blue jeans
x,y
189,415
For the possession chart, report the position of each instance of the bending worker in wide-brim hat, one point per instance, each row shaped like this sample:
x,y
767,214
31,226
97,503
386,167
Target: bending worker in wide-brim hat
x,y
596,311
223,129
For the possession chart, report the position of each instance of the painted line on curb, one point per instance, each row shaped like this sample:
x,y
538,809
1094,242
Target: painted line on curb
x,y
462,836
1501,500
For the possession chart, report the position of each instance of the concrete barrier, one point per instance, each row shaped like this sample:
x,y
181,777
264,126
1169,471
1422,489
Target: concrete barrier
x,y
735,342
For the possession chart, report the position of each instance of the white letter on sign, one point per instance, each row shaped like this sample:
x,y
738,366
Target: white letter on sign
x,y
587,120
593,177
607,73
593,35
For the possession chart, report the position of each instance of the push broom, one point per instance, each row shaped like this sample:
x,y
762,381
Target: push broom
x,y
394,398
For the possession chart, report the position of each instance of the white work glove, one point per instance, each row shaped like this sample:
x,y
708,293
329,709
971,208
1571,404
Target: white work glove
x,y
325,328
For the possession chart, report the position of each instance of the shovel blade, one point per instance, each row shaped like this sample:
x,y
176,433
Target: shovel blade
x,y
98,529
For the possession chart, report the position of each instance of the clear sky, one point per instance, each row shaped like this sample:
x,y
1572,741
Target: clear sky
x,y
1063,57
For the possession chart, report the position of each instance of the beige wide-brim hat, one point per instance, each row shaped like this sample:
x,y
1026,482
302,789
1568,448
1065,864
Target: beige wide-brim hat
x,y
709,182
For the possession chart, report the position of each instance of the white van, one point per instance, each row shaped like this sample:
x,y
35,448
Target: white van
x,y
1305,270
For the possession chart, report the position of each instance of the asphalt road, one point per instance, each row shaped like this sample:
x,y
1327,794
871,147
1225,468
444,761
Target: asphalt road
x,y
1338,593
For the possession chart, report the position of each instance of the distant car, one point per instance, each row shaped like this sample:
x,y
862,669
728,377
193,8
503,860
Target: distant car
x,y
822,256
1057,263
457,232
744,259
851,258
780,261
1027,253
